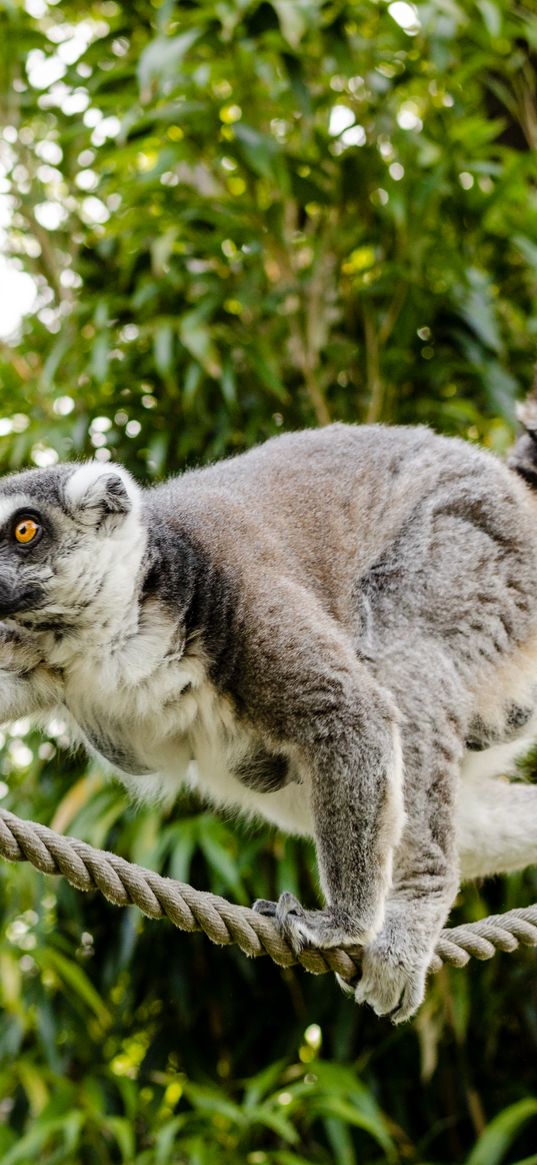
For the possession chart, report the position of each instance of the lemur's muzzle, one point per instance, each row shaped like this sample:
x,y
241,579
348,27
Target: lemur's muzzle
x,y
14,597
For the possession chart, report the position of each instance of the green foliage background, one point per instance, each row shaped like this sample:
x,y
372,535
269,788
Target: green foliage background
x,y
244,217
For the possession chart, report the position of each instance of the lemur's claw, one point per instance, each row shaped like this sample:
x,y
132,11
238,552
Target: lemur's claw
x,y
320,929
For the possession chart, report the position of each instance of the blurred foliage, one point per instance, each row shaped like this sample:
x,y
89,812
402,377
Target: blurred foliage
x,y
242,216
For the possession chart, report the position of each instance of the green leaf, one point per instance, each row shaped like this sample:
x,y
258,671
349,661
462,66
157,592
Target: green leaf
x,y
163,348
340,1138
479,311
161,59
499,1135
258,150
39,1138
346,1112
492,16
228,384
75,978
192,381
212,842
212,1101
265,366
182,842
99,356
54,358
273,1118
157,451
197,339
263,1082
527,248
295,17
123,1133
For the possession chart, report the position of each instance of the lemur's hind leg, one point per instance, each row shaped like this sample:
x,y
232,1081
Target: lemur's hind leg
x,y
425,881
496,826
425,875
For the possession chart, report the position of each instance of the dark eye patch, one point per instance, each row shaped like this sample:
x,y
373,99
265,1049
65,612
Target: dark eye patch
x,y
25,529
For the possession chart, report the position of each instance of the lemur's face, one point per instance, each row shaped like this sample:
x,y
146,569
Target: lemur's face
x,y
61,531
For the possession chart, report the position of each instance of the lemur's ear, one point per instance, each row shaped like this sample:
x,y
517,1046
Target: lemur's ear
x,y
523,455
526,412
99,493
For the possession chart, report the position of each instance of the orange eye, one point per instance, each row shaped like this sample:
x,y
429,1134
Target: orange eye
x,y
26,530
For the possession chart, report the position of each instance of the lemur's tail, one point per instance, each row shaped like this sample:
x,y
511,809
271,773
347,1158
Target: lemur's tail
x,y
523,455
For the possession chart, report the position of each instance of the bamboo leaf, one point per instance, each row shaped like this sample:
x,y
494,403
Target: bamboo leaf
x,y
499,1135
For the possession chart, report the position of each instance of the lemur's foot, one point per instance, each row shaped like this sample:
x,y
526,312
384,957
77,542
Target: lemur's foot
x,y
313,928
390,989
394,970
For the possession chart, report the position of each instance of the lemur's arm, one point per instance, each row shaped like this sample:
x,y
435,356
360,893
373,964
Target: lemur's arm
x,y
27,685
303,685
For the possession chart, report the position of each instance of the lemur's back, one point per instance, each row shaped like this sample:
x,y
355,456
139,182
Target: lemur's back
x,y
419,526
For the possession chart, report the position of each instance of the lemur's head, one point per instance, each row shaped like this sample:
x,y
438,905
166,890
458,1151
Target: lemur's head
x,y
64,532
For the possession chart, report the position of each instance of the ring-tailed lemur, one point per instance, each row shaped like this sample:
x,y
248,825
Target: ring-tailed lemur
x,y
311,632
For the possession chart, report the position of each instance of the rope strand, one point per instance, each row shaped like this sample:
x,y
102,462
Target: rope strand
x,y
125,883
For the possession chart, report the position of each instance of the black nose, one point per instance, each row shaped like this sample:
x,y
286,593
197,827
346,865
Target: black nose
x,y
15,598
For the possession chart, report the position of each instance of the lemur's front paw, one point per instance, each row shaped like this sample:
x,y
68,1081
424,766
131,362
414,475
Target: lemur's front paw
x,y
393,978
313,928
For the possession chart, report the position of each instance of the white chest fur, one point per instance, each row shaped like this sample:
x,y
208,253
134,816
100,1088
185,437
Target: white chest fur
x,y
148,707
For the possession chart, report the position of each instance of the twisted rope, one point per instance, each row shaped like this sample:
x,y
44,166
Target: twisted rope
x,y
124,883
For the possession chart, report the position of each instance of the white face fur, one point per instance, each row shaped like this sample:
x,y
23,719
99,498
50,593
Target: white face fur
x,y
60,532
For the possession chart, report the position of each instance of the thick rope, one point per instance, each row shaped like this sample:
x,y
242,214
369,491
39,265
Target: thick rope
x,y
124,883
